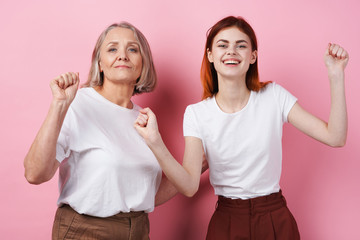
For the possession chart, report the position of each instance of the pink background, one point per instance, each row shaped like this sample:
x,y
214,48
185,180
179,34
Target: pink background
x,y
42,39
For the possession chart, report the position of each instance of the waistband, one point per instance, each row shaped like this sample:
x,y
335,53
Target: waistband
x,y
116,216
253,205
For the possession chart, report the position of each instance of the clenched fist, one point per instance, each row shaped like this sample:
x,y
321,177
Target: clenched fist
x,y
64,87
336,58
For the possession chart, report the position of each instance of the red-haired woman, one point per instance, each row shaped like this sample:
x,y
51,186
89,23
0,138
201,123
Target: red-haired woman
x,y
238,127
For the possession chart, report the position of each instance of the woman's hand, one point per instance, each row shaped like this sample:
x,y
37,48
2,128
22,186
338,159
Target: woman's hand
x,y
147,126
64,87
335,58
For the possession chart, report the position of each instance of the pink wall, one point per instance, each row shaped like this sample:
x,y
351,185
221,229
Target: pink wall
x,y
41,39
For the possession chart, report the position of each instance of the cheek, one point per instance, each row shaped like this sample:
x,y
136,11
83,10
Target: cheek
x,y
139,68
104,63
139,63
217,57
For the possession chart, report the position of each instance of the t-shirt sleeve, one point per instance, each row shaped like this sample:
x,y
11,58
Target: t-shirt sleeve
x,y
63,142
190,125
285,99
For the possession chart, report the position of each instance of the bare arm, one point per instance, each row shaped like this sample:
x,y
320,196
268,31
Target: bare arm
x,y
40,163
167,190
186,177
333,132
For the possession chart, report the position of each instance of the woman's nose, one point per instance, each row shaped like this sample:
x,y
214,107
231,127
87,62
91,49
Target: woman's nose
x,y
122,56
230,51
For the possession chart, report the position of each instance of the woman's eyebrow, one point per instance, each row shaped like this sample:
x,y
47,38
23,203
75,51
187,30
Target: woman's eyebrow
x,y
226,41
117,43
241,41
133,43
222,40
112,43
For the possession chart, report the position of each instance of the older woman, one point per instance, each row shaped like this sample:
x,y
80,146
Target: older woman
x,y
108,177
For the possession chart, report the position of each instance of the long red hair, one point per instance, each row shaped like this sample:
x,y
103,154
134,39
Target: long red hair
x,y
208,73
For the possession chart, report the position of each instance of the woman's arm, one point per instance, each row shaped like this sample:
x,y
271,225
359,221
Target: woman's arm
x,y
333,132
165,192
186,177
40,163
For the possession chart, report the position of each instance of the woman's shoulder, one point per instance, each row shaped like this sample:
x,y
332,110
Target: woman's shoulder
x,y
85,98
272,88
86,91
201,108
275,92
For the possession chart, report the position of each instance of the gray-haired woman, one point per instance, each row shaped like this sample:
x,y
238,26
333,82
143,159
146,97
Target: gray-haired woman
x,y
108,177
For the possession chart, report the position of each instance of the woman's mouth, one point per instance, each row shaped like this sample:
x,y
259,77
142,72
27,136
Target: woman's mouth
x,y
231,62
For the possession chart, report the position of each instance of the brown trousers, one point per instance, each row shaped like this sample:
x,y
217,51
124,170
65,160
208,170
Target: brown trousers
x,y
261,218
68,224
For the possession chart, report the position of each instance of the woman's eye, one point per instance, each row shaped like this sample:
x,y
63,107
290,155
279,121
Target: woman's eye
x,y
222,45
112,50
241,46
134,50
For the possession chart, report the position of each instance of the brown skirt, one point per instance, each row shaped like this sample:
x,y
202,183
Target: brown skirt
x,y
69,224
261,218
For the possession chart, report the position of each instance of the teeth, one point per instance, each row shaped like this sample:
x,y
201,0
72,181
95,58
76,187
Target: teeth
x,y
231,62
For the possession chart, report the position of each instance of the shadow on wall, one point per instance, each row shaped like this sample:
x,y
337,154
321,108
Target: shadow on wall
x,y
197,213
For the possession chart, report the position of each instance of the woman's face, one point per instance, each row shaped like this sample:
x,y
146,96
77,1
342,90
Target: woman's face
x,y
231,53
120,57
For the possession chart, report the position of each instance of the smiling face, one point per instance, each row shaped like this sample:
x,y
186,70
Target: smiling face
x,y
231,53
120,57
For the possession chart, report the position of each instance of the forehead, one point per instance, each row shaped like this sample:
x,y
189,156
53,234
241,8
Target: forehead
x,y
120,34
231,34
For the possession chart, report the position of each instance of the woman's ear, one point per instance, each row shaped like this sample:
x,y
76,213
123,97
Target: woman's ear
x,y
99,64
209,55
253,57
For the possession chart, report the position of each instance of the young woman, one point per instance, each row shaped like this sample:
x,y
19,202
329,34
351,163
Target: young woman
x,y
238,126
108,176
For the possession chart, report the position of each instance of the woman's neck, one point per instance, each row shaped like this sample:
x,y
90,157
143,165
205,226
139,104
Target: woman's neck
x,y
119,94
233,95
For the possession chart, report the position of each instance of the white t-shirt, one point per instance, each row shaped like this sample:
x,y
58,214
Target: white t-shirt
x,y
243,149
106,166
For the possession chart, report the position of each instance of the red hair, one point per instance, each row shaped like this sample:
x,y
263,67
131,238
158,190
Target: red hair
x,y
208,73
